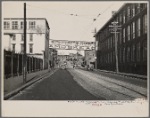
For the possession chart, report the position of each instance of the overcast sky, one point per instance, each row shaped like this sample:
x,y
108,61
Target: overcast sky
x,y
67,20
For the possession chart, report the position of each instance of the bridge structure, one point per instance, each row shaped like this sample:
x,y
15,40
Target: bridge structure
x,y
71,45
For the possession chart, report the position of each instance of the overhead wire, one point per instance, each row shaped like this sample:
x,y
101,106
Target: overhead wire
x,y
74,14
95,19
60,12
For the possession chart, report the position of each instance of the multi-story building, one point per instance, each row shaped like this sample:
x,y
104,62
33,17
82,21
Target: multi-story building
x,y
52,57
131,40
37,37
89,57
79,59
62,58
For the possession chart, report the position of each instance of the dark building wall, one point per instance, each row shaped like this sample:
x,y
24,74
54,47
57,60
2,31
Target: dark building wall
x,y
46,52
131,40
52,57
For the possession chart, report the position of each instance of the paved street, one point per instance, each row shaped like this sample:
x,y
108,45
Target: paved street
x,y
79,84
108,87
59,86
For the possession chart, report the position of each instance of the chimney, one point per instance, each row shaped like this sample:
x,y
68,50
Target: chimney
x,y
113,13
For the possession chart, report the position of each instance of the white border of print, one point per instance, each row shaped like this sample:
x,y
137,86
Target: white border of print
x,y
137,108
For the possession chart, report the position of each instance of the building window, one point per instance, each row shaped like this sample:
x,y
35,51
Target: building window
x,y
14,24
120,55
113,41
22,37
144,51
120,18
32,25
22,48
139,27
13,47
6,25
138,52
124,51
21,25
128,12
145,24
133,53
124,17
128,32
14,37
138,8
108,43
31,37
114,59
128,54
120,38
108,58
117,19
144,5
133,10
117,37
133,30
124,34
30,48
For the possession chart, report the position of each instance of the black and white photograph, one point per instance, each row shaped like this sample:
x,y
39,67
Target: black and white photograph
x,y
75,58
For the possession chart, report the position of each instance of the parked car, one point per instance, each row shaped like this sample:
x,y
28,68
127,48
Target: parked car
x,y
90,66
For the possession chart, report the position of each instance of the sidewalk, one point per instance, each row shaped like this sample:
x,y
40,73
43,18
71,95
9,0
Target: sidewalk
x,y
13,83
119,73
124,74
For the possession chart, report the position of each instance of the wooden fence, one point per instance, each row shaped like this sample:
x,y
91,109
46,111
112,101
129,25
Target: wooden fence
x,y
13,64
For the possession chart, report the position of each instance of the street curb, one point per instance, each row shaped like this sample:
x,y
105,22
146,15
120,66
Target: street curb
x,y
121,74
9,95
124,74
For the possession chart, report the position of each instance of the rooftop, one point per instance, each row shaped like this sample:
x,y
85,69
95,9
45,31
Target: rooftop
x,y
113,16
29,19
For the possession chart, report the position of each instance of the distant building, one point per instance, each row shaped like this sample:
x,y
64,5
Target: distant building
x,y
62,58
72,56
89,57
53,57
132,40
37,37
79,59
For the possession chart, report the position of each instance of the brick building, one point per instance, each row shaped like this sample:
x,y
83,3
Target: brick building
x,y
131,40
89,57
52,57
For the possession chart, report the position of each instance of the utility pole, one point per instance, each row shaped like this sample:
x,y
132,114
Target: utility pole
x,y
115,27
24,57
95,50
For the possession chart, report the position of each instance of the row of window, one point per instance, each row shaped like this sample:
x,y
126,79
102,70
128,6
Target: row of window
x,y
134,53
73,42
130,12
22,37
140,23
127,34
130,29
22,48
15,25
